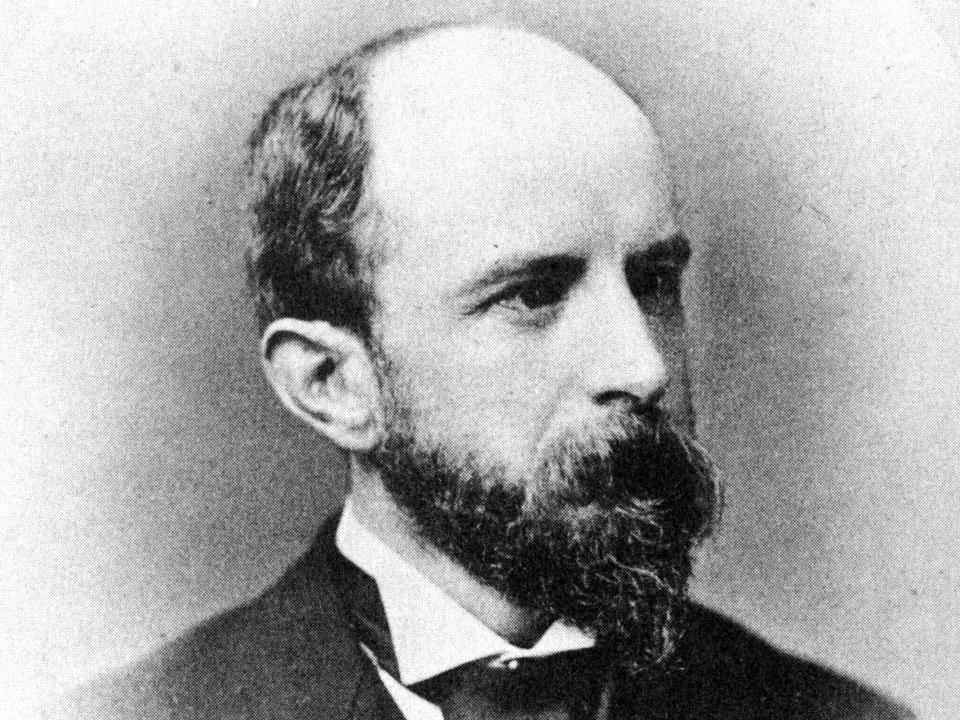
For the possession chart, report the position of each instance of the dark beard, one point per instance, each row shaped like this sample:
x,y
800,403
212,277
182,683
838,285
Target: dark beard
x,y
601,536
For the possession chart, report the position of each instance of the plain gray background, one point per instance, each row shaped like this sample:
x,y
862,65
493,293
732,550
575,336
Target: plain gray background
x,y
148,478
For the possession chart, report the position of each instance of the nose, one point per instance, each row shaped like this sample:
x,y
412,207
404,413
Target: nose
x,y
625,360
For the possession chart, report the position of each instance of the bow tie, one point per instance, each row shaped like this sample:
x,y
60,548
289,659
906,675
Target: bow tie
x,y
566,685
568,682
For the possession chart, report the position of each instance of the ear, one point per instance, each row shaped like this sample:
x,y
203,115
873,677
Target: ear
x,y
325,376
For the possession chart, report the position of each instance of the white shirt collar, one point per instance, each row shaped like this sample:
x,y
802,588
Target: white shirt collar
x,y
430,632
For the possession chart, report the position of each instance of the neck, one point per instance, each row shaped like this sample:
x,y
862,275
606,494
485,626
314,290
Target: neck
x,y
377,511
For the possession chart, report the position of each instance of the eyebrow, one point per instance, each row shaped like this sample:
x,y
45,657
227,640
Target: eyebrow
x,y
675,248
524,267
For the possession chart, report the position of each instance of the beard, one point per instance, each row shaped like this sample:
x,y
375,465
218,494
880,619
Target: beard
x,y
599,533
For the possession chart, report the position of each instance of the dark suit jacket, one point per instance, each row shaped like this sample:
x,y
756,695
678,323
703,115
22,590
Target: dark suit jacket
x,y
291,654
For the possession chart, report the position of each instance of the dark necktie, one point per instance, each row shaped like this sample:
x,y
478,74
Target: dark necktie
x,y
566,686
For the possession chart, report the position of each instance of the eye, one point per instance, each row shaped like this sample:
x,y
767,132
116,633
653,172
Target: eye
x,y
538,293
536,302
656,287
532,293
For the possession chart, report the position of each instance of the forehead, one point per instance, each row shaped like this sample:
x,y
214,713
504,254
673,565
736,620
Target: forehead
x,y
487,143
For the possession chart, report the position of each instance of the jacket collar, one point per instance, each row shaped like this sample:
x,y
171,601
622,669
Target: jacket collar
x,y
317,670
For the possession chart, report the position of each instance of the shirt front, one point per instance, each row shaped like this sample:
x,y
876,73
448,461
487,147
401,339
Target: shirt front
x,y
430,632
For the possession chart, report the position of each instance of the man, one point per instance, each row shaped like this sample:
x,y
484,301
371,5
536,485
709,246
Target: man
x,y
468,267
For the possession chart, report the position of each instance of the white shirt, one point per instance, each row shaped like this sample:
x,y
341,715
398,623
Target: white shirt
x,y
430,632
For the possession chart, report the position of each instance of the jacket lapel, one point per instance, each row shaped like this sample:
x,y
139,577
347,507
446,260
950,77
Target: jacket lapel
x,y
308,642
320,653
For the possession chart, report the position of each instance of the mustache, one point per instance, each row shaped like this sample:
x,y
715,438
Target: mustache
x,y
636,459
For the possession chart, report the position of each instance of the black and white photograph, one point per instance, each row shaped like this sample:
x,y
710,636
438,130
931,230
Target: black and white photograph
x,y
406,360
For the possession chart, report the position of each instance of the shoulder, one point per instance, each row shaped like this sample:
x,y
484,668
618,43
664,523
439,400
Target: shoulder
x,y
723,670
287,654
177,679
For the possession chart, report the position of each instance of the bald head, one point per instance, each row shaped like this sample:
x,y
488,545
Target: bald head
x,y
466,98
470,118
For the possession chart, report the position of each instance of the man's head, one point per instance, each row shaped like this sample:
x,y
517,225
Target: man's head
x,y
489,315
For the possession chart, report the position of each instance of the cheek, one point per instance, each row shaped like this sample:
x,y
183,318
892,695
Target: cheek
x,y
477,394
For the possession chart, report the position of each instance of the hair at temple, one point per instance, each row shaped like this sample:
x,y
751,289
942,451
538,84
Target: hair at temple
x,y
307,166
